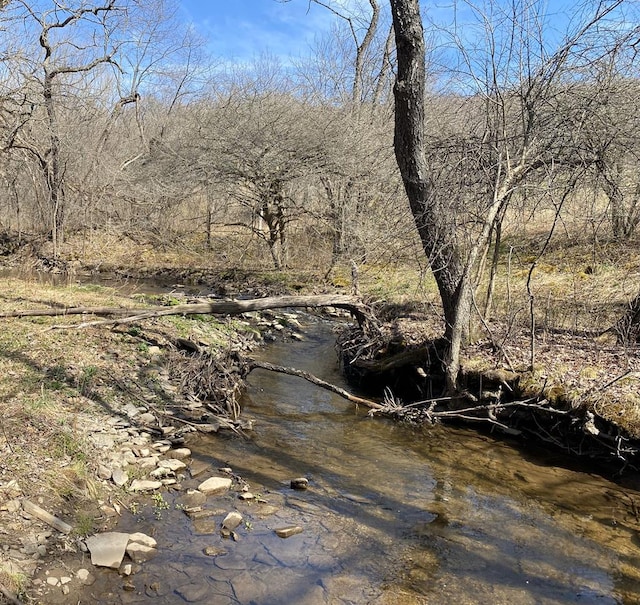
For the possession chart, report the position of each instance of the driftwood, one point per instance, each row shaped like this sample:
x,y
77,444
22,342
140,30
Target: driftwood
x,y
317,381
216,307
43,515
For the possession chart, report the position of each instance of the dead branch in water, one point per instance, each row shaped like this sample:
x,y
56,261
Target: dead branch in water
x,y
315,380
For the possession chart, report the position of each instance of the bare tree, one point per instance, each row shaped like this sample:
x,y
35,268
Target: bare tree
x,y
74,42
526,136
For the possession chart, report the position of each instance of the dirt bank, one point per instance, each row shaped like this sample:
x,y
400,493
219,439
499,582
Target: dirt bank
x,y
81,404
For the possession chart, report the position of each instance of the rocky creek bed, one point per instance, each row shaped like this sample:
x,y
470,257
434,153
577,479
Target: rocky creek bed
x,y
88,436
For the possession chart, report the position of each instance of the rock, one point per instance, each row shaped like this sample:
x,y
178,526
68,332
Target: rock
x,y
232,520
287,532
85,577
131,410
215,485
108,511
180,453
197,512
192,499
103,441
140,485
266,510
104,472
300,483
193,592
147,419
148,462
140,553
52,581
120,477
107,549
172,464
140,440
141,538
154,350
204,526
214,551
13,506
198,467
129,586
128,457
209,428
246,496
126,569
160,472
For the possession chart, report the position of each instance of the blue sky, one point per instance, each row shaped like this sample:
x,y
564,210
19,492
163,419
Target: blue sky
x,y
240,30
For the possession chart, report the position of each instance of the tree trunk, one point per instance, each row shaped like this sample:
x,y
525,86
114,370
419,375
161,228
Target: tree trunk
x,y
437,232
53,172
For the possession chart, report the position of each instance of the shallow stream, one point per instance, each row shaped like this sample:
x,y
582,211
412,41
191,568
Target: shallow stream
x,y
393,514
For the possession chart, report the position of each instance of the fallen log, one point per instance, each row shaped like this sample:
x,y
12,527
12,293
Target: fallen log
x,y
216,307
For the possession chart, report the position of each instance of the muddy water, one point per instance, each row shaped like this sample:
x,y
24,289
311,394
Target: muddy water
x,y
393,515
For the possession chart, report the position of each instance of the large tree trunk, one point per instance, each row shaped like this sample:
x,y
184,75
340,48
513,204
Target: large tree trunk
x,y
437,232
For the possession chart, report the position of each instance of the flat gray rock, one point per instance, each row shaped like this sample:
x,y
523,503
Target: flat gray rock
x,y
107,549
198,467
140,553
192,593
180,453
141,538
232,520
215,485
140,485
119,477
173,464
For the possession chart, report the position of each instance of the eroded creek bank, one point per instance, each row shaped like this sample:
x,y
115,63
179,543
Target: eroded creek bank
x,y
392,514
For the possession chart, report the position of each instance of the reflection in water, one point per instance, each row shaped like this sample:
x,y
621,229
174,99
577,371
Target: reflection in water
x,y
394,515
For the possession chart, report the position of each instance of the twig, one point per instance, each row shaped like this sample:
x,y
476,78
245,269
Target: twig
x,y
494,342
317,381
13,599
602,388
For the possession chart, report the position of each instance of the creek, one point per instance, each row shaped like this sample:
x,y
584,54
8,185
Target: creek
x,y
393,515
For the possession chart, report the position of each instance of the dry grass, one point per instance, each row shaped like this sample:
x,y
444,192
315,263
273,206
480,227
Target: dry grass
x,y
578,286
58,382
